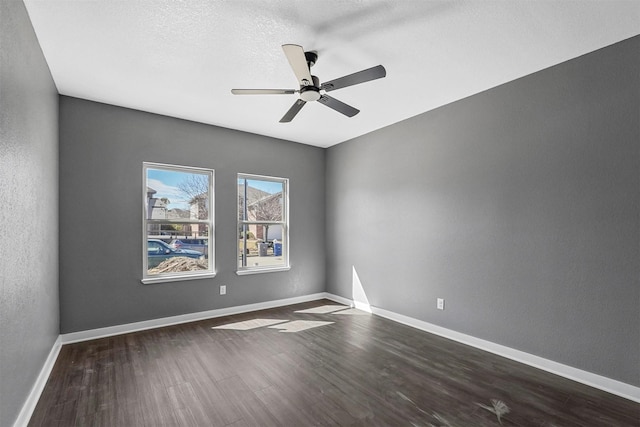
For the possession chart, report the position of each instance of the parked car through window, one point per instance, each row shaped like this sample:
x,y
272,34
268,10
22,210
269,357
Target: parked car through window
x,y
200,245
158,251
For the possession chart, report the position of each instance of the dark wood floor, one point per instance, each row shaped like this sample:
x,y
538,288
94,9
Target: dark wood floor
x,y
360,370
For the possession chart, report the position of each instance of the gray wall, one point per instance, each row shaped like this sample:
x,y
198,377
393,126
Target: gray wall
x,y
29,211
520,206
102,148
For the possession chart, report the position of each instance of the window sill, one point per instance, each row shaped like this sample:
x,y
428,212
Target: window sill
x,y
262,270
177,278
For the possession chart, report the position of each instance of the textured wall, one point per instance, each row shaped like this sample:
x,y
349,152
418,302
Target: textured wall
x,y
102,148
520,206
28,210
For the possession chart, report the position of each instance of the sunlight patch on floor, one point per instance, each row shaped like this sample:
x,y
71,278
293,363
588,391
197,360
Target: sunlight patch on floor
x,y
250,324
299,325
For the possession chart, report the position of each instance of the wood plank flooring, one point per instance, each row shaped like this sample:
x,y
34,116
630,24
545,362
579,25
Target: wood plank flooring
x,y
359,370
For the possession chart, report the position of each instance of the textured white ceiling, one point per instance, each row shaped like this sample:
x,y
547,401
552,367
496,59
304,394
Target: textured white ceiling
x,y
181,58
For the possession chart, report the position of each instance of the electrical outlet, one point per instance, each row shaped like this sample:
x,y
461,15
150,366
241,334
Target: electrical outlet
x,y
440,303
223,289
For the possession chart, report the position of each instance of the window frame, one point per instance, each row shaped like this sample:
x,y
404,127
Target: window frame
x,y
210,222
240,223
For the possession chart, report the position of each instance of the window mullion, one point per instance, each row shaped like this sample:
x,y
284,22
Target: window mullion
x,y
178,221
263,222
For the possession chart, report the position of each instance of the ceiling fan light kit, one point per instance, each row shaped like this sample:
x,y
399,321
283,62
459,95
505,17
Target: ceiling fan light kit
x,y
311,92
310,87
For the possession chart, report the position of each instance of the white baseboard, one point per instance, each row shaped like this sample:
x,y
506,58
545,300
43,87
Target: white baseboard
x,y
34,395
597,381
356,304
109,331
339,299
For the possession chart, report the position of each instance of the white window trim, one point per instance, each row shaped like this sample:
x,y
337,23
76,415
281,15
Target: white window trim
x,y
260,270
181,276
242,271
177,278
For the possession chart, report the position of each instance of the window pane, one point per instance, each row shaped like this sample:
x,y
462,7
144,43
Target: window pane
x,y
175,194
256,252
163,257
264,200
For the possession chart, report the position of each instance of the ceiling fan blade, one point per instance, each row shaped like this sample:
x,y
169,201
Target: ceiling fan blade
x,y
339,106
295,108
262,91
298,62
369,74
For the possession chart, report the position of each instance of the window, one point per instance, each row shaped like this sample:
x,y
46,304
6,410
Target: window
x,y
178,222
263,225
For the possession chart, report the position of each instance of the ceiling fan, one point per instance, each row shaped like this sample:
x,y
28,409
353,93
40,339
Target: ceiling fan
x,y
310,87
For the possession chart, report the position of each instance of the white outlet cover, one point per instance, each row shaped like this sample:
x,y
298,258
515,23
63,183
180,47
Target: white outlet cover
x,y
223,289
440,303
